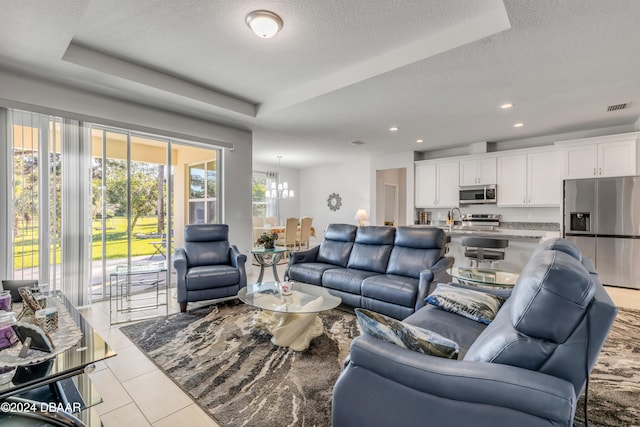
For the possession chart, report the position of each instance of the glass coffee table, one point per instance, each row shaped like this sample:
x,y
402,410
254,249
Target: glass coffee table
x,y
292,320
483,277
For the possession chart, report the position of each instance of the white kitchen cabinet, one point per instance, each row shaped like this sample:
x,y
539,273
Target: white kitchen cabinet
x,y
612,155
425,185
437,184
544,179
512,181
531,179
478,171
448,184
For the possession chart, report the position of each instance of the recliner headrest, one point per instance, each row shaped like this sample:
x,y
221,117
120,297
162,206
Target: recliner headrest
x,y
553,285
206,232
375,235
340,232
420,237
559,244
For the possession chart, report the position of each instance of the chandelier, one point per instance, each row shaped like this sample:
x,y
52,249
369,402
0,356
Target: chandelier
x,y
277,189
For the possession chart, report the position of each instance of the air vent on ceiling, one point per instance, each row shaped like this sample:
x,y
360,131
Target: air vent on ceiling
x,y
357,143
617,107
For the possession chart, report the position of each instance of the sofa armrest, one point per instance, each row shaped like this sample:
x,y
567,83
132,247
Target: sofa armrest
x,y
300,257
476,383
180,263
238,261
436,274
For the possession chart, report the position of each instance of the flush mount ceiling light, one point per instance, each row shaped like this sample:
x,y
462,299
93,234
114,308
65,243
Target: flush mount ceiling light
x,y
506,106
419,141
264,23
393,128
518,125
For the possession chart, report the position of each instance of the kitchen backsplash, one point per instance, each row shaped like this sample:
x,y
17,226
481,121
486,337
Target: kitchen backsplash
x,y
507,215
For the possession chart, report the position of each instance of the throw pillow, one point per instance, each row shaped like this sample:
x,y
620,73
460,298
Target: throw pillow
x,y
475,305
406,336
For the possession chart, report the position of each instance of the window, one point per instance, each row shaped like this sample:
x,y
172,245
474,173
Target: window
x,y
203,193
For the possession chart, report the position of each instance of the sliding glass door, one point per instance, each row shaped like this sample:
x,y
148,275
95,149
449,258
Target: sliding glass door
x,y
85,199
130,216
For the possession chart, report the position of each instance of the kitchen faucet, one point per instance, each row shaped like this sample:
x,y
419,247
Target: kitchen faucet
x,y
452,216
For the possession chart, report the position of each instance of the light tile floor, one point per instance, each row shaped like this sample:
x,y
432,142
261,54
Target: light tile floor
x,y
136,393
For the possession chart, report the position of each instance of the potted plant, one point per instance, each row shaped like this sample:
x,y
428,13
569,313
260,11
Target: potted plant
x,y
267,240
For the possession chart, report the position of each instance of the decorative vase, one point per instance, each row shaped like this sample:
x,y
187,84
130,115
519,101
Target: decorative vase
x,y
269,245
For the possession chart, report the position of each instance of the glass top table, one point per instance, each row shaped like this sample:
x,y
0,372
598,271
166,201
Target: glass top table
x,y
71,364
292,320
304,298
484,277
268,258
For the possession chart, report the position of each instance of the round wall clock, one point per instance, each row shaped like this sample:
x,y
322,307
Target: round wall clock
x,y
334,201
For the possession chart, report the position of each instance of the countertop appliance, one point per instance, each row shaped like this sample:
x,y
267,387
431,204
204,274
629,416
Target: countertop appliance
x,y
602,216
477,194
480,221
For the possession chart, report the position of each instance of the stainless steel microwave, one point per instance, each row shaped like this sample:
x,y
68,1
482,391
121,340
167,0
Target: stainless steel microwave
x,y
478,194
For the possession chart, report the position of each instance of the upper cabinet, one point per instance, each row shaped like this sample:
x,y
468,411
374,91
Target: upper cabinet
x,y
478,171
530,179
612,155
437,184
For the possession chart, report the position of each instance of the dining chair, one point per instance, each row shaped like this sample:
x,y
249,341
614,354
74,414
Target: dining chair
x,y
290,234
257,221
305,232
271,221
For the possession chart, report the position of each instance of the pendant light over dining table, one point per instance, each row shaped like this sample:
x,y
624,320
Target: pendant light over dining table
x,y
277,189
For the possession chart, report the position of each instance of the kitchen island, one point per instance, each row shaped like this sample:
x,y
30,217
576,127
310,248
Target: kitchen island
x,y
522,242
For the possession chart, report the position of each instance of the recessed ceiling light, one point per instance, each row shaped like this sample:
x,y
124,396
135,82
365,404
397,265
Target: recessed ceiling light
x,y
518,125
506,106
419,141
264,23
394,128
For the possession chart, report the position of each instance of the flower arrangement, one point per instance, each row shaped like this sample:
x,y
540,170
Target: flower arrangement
x,y
267,239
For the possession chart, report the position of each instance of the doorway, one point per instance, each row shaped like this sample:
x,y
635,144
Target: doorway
x,y
391,197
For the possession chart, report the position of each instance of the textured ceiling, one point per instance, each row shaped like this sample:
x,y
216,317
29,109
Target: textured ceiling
x,y
342,71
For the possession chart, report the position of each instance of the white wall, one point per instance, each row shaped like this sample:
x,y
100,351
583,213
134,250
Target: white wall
x,y
18,91
352,181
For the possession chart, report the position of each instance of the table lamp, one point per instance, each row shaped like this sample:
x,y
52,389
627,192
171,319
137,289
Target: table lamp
x,y
361,216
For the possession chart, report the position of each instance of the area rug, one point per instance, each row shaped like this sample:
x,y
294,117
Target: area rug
x,y
235,374
614,384
231,369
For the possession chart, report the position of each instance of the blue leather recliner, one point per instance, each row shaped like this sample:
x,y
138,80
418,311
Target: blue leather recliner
x,y
527,368
208,267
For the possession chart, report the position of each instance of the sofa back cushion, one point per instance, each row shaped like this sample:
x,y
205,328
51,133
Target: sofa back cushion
x,y
372,249
206,244
415,249
337,244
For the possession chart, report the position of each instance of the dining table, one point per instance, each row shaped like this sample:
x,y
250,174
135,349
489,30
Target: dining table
x,y
277,229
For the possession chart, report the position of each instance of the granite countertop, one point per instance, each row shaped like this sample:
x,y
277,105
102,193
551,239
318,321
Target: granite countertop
x,y
524,231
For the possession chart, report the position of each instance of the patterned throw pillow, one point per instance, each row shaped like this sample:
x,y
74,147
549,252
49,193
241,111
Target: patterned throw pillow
x,y
475,305
406,336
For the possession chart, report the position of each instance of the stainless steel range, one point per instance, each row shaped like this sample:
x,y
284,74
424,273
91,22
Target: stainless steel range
x,y
480,221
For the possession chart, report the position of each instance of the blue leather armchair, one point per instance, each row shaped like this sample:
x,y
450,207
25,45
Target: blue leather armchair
x,y
527,368
208,267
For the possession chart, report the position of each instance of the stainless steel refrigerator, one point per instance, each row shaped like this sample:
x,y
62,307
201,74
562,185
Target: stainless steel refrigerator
x,y
602,216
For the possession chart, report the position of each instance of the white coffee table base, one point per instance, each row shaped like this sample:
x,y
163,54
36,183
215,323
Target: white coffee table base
x,y
290,330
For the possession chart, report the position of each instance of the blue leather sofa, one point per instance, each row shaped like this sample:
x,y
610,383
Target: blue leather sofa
x,y
208,267
385,269
526,368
